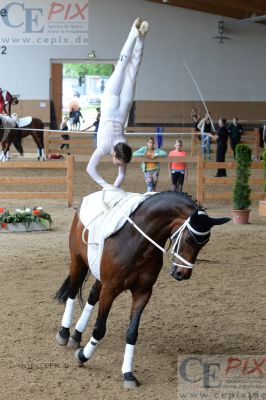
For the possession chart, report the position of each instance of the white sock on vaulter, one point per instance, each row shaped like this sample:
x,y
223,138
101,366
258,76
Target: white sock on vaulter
x,y
144,27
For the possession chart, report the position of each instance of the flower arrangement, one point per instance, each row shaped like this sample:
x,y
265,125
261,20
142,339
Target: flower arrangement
x,y
25,216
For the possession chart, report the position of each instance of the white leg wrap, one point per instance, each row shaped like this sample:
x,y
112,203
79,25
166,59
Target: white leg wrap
x,y
90,347
42,151
128,358
67,317
84,318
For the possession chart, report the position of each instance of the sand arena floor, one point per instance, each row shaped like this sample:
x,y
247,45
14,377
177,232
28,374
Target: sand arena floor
x,y
220,310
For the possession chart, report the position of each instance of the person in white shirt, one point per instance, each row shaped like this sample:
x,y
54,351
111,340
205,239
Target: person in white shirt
x,y
115,106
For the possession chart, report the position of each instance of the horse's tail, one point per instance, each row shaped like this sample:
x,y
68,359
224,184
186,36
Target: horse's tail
x,y
63,293
18,143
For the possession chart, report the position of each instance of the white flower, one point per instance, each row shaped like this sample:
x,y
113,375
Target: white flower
x,y
18,210
27,210
39,208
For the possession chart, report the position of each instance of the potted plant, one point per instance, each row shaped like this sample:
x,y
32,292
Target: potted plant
x,y
241,191
262,203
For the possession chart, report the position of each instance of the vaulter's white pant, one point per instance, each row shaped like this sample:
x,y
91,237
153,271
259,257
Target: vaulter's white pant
x,y
120,88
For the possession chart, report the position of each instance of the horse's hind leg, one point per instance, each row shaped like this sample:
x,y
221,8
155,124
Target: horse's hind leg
x,y
69,290
41,155
5,152
39,143
75,339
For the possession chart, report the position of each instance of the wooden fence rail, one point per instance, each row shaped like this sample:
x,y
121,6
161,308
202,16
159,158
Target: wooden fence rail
x,y
220,187
66,180
205,168
82,144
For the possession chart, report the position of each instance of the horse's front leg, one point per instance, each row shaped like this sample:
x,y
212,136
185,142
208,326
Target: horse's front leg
x,y
139,302
75,339
5,151
107,296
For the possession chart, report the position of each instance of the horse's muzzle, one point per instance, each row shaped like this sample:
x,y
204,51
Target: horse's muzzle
x,y
179,275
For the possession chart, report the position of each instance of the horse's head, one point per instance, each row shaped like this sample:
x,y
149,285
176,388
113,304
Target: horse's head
x,y
188,239
15,100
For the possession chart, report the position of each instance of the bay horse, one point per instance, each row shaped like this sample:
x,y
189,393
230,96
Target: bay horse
x,y
132,262
35,128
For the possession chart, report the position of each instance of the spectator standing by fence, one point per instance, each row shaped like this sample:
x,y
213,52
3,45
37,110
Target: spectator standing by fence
x,y
195,120
150,168
177,170
235,131
205,128
64,127
222,138
76,119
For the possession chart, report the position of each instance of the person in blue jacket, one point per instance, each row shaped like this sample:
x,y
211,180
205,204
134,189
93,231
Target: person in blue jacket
x,y
150,168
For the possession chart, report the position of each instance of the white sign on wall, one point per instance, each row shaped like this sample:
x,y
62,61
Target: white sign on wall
x,y
44,22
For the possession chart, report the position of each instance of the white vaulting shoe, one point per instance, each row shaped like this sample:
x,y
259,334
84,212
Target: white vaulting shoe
x,y
135,27
144,27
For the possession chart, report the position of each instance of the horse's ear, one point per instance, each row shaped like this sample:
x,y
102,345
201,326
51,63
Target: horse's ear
x,y
219,221
200,221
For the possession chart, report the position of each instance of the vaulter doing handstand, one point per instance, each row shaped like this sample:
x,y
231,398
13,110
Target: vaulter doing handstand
x,y
115,106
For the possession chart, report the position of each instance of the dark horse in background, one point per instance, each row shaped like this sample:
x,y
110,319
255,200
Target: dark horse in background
x,y
132,262
34,127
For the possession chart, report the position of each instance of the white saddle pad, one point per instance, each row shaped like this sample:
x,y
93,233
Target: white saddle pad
x,y
103,213
7,121
25,121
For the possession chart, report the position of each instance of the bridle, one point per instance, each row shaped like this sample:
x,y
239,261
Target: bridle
x,y
178,236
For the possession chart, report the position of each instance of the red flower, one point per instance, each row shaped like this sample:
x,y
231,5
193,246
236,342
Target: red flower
x,y
4,225
2,210
36,212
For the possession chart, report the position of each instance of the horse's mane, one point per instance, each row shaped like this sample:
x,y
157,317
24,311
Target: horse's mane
x,y
181,196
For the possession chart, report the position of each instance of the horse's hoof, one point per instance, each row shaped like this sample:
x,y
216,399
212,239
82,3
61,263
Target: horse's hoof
x,y
79,357
130,381
73,344
60,340
62,336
